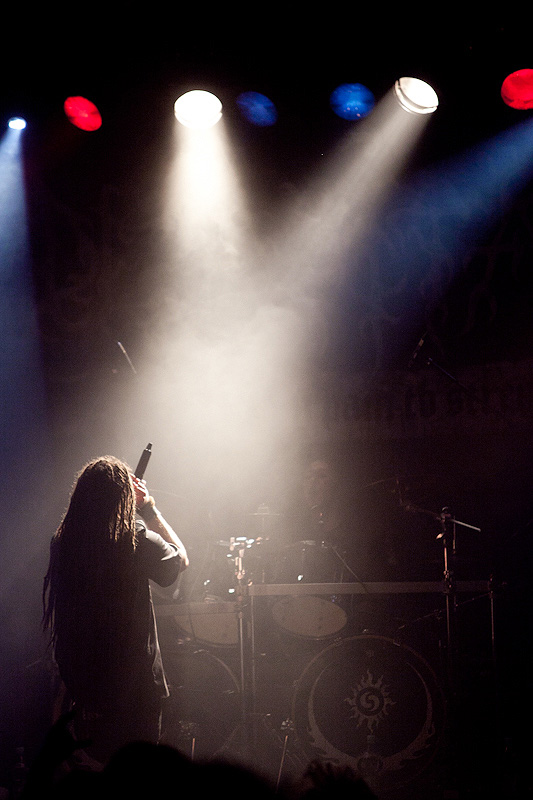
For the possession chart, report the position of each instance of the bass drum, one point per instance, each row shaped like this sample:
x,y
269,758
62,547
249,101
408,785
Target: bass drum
x,y
202,714
371,704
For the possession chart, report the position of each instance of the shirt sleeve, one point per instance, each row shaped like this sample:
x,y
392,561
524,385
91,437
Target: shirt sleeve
x,y
160,561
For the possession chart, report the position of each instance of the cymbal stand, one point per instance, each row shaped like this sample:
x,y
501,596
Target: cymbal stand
x,y
238,547
448,536
247,656
260,722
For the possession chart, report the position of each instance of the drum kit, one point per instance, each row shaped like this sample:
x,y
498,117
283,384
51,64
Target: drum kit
x,y
363,699
232,565
245,565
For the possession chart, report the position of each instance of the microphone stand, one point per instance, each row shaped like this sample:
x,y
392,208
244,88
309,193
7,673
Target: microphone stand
x,y
432,363
468,392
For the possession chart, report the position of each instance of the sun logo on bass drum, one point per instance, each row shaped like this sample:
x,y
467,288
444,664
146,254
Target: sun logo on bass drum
x,y
370,701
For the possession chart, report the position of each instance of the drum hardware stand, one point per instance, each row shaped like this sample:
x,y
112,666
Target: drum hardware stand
x,y
448,536
286,731
246,634
347,567
238,547
449,594
245,638
287,728
188,732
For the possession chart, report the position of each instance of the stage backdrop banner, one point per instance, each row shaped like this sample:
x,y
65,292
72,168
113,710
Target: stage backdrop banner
x,y
484,400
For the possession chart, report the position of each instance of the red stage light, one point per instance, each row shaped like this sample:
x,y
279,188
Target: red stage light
x,y
82,113
517,89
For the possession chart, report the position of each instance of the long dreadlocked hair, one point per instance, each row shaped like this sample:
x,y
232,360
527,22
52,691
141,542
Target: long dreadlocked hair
x,y
88,589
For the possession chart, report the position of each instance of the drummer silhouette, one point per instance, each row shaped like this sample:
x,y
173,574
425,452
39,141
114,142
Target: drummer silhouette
x,y
320,492
318,524
320,510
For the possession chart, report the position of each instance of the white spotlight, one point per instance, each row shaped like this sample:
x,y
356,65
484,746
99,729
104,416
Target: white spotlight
x,y
198,109
17,123
416,96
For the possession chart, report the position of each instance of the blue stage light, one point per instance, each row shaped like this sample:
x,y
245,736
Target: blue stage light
x,y
257,109
352,101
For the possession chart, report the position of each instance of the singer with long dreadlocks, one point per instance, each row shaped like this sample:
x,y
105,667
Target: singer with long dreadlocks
x,y
98,606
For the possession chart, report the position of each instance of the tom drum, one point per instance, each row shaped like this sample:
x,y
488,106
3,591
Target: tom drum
x,y
309,616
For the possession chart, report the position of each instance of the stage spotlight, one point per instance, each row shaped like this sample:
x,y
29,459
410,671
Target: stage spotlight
x,y
16,123
257,109
517,89
352,101
416,96
82,113
198,109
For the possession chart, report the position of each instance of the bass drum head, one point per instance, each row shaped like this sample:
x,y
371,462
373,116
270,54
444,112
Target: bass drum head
x,y
373,705
202,713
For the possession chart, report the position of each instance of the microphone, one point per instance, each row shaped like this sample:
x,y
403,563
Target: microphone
x,y
143,461
417,350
